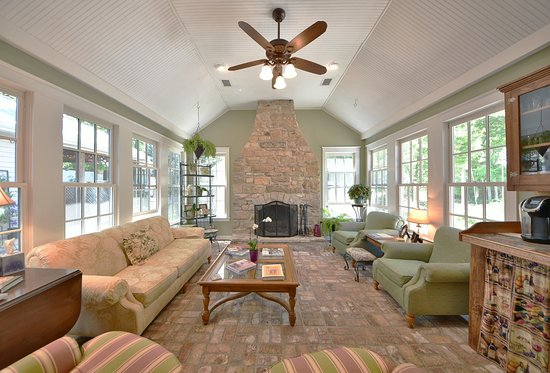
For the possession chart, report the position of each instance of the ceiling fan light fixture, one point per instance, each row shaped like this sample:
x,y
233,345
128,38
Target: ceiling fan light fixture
x,y
279,83
289,71
333,66
266,73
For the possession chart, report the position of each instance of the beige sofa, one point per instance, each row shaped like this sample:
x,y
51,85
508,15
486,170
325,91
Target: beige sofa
x,y
115,294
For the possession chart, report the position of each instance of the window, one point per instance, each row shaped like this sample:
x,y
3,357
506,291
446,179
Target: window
x,y
379,179
341,171
174,199
220,171
413,190
478,170
145,170
87,175
11,230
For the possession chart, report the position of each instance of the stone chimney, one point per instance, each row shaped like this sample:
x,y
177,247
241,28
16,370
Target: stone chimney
x,y
276,164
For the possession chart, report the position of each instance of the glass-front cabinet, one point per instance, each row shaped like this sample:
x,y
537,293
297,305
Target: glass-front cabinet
x,y
527,103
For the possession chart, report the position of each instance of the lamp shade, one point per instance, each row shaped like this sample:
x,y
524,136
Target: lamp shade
x,y
266,73
5,199
280,82
290,71
418,216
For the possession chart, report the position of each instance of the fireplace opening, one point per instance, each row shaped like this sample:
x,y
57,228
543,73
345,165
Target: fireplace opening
x,y
284,219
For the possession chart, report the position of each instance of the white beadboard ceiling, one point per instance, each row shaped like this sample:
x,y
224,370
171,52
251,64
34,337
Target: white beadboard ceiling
x,y
395,56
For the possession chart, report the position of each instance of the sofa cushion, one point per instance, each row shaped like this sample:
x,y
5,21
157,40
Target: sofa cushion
x,y
344,236
382,220
139,246
181,254
188,232
343,359
59,356
399,271
160,230
147,282
125,352
93,254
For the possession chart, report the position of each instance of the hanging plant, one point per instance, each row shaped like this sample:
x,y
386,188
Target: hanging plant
x,y
199,146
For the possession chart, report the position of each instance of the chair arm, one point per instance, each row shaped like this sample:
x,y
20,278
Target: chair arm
x,y
99,292
406,250
354,226
446,272
188,232
61,355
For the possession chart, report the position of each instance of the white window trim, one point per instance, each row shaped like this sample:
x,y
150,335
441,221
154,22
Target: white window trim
x,y
225,151
156,166
335,150
400,184
371,169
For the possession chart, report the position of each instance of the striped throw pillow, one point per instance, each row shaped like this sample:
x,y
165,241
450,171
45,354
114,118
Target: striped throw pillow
x,y
336,360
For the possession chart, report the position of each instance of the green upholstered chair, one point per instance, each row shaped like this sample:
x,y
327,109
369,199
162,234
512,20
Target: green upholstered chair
x,y
424,278
353,234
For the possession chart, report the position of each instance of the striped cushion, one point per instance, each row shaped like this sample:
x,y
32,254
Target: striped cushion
x,y
337,360
126,352
60,356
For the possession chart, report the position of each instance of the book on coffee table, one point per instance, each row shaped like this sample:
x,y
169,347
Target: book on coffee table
x,y
7,282
240,266
273,272
273,252
237,251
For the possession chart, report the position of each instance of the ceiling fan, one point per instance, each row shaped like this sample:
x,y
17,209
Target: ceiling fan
x,y
279,63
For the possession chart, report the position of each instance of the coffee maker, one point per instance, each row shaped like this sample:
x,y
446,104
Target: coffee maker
x,y
535,219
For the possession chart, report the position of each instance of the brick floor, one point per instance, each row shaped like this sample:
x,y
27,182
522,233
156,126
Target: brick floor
x,y
250,334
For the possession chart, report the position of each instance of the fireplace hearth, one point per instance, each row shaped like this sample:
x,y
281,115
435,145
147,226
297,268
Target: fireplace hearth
x,y
284,219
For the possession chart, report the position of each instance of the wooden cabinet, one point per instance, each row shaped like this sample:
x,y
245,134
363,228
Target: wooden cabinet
x,y
527,105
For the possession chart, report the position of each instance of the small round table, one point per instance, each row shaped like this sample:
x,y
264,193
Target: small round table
x,y
212,234
358,209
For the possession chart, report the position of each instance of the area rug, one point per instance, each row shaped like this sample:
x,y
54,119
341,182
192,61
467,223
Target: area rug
x,y
251,334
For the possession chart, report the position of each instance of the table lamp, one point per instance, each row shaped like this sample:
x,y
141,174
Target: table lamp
x,y
418,217
5,199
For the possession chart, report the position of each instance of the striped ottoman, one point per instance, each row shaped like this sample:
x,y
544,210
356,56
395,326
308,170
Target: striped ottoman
x,y
340,360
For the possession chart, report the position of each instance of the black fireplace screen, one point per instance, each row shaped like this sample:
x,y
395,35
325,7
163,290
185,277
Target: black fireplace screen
x,y
284,219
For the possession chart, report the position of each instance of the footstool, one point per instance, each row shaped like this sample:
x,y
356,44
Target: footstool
x,y
358,257
341,359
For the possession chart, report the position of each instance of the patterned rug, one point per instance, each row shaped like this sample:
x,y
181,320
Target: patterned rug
x,y
251,334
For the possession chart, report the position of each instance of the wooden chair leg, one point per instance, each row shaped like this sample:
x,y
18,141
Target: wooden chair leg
x,y
376,285
410,320
209,259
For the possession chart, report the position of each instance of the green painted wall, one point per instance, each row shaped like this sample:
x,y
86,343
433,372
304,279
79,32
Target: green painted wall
x,y
319,129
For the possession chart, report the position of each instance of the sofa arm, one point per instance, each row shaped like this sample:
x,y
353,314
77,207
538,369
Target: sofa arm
x,y
446,272
406,250
99,292
61,355
354,226
188,232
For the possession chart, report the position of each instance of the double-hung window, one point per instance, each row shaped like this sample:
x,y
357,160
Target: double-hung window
x,y
145,171
340,172
379,179
11,229
174,198
87,176
220,171
478,170
413,189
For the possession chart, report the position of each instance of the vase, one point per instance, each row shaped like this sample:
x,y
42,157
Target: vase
x,y
253,255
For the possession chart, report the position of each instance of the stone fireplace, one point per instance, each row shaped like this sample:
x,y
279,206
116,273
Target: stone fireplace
x,y
276,164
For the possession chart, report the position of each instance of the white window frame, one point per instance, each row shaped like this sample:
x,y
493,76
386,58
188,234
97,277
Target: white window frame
x,y
82,186
174,187
415,203
373,179
148,168
509,197
345,205
18,182
223,152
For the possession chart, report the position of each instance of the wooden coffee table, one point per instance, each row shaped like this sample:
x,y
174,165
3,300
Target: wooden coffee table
x,y
219,279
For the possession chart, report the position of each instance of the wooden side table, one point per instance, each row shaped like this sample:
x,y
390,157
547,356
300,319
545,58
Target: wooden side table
x,y
40,309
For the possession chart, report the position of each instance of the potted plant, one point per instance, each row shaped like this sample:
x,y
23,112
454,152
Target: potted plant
x,y
199,146
359,193
332,223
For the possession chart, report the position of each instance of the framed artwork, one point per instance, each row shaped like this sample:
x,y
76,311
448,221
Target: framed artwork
x,y
416,238
404,232
189,212
203,207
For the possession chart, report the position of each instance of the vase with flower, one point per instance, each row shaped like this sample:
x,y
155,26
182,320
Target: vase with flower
x,y
253,241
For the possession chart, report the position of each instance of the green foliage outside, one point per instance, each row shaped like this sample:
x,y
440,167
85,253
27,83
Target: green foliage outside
x,y
332,223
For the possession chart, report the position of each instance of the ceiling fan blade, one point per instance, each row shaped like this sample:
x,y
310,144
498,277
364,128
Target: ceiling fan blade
x,y
307,36
277,70
247,64
308,66
258,38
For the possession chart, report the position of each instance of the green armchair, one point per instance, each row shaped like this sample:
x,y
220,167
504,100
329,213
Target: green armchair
x,y
424,278
353,234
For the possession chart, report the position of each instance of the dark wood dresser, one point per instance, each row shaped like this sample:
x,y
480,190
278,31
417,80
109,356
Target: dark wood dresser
x,y
42,308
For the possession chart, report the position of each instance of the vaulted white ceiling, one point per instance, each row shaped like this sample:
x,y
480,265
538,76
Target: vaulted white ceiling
x,y
395,57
